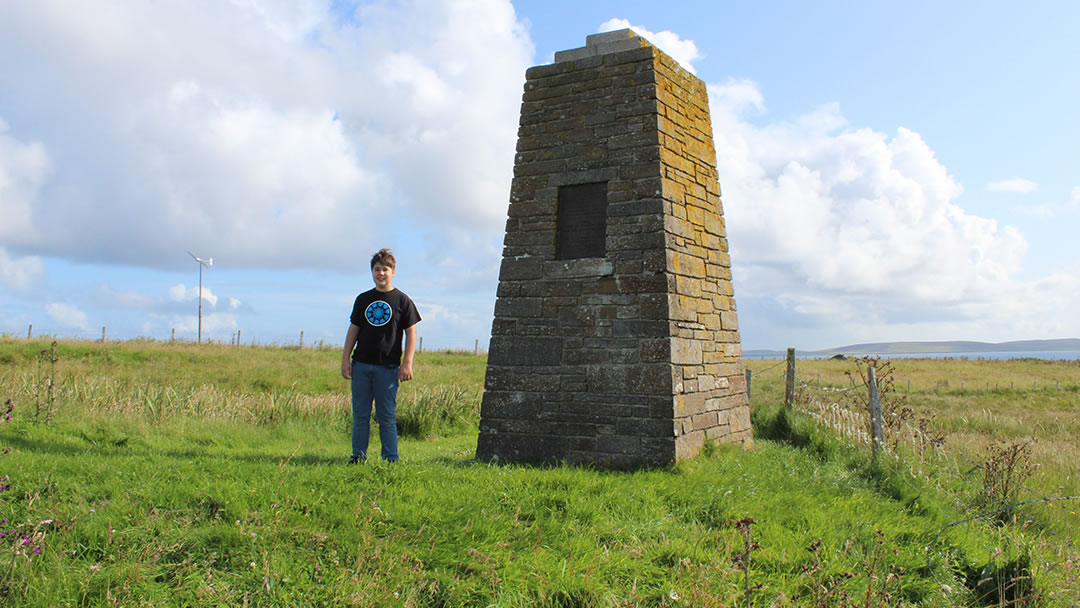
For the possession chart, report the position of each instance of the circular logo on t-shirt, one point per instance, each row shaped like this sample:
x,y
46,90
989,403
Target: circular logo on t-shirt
x,y
378,313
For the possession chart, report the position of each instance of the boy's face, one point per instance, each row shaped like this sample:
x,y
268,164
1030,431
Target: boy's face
x,y
383,277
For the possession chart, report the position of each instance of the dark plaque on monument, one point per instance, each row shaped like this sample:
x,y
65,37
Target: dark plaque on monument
x,y
582,225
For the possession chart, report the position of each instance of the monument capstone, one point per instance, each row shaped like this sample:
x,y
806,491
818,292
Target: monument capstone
x,y
615,340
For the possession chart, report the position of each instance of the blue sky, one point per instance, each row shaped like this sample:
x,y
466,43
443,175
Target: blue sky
x,y
890,171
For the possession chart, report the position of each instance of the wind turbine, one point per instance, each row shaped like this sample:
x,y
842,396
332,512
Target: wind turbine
x,y
209,263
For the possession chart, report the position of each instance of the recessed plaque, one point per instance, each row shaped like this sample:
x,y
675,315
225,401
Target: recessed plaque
x,y
582,225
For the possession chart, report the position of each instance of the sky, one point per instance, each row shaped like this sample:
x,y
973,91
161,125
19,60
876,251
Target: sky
x,y
890,171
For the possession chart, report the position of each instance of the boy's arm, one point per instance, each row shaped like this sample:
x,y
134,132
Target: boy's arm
x,y
405,371
346,353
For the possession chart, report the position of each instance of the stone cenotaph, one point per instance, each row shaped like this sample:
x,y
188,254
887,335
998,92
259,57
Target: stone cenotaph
x,y
615,341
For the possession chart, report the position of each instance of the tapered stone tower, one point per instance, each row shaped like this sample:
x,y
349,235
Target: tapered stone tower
x,y
615,340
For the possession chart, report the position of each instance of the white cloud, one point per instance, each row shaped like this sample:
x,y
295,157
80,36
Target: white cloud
x,y
234,304
23,167
180,293
20,274
272,134
683,51
851,225
1016,184
66,315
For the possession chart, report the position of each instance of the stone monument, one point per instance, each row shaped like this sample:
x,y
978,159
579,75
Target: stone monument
x,y
615,340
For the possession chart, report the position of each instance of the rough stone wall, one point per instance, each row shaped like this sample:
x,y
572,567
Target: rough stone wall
x,y
632,358
709,384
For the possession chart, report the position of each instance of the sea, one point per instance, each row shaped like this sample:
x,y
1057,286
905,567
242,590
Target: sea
x,y
1050,355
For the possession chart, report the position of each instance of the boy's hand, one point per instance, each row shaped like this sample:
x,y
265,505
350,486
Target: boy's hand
x,y
405,372
346,370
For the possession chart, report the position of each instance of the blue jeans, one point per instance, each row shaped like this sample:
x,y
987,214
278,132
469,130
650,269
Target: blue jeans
x,y
376,383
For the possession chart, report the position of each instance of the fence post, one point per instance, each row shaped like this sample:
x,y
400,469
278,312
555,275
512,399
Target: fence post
x,y
102,333
476,347
301,338
789,389
238,337
749,378
173,338
420,346
876,425
30,331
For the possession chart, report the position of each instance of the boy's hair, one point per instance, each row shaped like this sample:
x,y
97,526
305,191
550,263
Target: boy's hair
x,y
383,257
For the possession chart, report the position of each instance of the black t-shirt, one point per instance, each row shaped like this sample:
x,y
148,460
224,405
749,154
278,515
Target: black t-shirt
x,y
382,319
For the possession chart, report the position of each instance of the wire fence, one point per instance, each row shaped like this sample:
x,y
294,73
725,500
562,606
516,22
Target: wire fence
x,y
237,337
958,476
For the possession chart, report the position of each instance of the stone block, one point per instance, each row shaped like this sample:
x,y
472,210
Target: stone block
x,y
641,379
521,268
685,352
685,265
582,267
689,445
516,447
515,405
525,350
689,404
518,307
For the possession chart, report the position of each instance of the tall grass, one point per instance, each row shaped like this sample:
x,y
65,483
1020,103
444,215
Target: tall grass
x,y
103,382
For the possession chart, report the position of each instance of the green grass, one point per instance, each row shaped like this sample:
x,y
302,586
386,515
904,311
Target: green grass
x,y
220,512
216,494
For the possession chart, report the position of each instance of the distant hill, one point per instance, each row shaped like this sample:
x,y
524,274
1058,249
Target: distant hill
x,y
954,346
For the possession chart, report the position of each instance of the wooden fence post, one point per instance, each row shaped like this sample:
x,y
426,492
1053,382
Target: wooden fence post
x,y
877,428
173,338
102,333
30,331
789,389
301,338
749,379
238,337
420,346
476,347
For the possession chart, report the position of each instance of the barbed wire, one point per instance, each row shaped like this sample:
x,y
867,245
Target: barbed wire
x,y
769,368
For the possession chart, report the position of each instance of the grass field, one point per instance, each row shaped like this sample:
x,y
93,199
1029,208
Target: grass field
x,y
976,404
158,474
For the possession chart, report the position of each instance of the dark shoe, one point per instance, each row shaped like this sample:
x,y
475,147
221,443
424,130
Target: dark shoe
x,y
354,459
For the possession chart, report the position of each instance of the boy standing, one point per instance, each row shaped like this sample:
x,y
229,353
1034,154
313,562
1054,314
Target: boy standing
x,y
379,318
